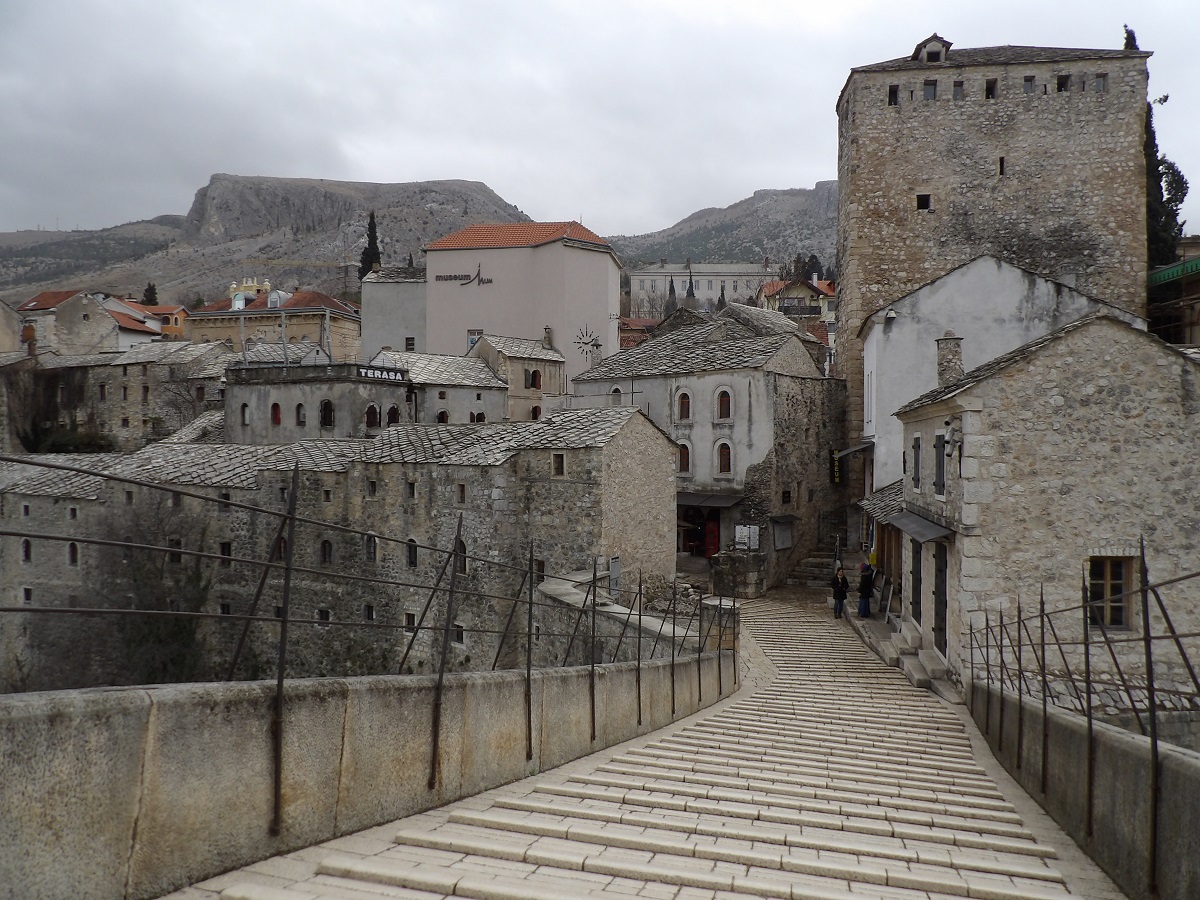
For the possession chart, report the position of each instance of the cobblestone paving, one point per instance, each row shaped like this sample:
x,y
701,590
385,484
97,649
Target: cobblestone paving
x,y
826,777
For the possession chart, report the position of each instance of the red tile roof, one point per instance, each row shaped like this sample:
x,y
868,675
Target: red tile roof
x,y
131,323
515,234
771,287
46,300
298,300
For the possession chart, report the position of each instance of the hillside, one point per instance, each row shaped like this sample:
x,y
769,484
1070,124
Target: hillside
x,y
774,223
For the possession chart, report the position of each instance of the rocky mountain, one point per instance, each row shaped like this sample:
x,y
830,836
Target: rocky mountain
x,y
774,223
301,232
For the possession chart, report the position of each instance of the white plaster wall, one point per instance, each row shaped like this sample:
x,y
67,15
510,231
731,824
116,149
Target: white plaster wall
x,y
993,306
392,311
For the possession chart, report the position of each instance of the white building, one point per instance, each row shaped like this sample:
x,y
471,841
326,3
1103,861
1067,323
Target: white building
x,y
650,286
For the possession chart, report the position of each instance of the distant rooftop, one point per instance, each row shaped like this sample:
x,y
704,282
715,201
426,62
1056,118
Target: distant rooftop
x,y
1005,55
517,234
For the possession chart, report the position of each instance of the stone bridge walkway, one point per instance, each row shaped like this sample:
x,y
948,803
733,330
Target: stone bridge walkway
x,y
827,776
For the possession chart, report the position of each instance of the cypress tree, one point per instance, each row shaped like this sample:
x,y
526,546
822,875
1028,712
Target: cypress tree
x,y
150,295
370,255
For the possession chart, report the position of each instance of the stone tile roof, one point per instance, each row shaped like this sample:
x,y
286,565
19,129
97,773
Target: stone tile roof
x,y
1002,362
314,456
46,300
165,352
12,356
516,234
84,359
207,428
885,502
1005,55
430,368
761,321
395,274
523,348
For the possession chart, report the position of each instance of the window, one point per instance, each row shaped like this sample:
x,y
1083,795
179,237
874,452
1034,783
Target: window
x,y
200,393
124,371
129,498
371,548
685,407
372,416
145,370
930,91
410,344
145,394
368,612
26,551
535,413
226,553
393,416
73,512
372,487
539,571
933,56
724,459
558,464
410,622
1064,84
279,612
412,490
893,100
226,609
724,405
25,508
326,553
301,416
443,417
460,494
326,413
1108,578
175,545
685,458
473,335
460,633
283,494
939,465
787,497
1029,84
104,392
27,595
125,421
323,616
176,499
958,90
614,397
535,380
441,395
245,413
924,201
1101,83
411,550
460,558
989,89
916,463
124,392
223,506
1001,167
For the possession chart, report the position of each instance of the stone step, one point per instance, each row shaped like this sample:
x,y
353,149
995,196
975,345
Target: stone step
x,y
915,672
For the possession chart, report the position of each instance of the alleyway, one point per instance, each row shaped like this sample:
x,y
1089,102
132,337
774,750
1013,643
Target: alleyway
x,y
827,776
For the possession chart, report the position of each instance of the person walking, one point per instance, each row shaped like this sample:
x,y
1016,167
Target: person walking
x,y
841,590
866,587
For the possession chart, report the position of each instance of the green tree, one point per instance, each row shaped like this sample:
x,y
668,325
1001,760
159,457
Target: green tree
x,y
150,295
1166,189
672,303
370,255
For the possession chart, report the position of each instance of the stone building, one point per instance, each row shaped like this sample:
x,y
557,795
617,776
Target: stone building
x,y
534,371
650,286
393,310
10,329
743,395
579,485
1044,467
1033,155
449,389
250,316
79,322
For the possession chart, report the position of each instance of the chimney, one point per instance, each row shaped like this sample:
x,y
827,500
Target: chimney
x,y
596,355
662,263
949,358
374,267
548,338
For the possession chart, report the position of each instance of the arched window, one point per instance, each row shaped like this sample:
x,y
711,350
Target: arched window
x,y
73,554
614,397
724,458
412,553
301,415
371,548
326,553
326,413
471,418
460,558
535,379
480,417
535,413
443,417
393,416
685,458
245,413
26,551
685,407
372,416
276,414
724,405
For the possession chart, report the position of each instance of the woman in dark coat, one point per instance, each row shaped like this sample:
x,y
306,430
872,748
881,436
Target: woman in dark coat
x,y
866,587
841,590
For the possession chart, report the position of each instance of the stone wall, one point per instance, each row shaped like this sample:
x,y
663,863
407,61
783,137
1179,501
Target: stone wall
x,y
137,792
1069,202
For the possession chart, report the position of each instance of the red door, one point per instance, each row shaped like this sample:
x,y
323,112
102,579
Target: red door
x,y
712,537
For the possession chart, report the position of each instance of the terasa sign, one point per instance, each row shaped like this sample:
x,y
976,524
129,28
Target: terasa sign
x,y
382,374
464,280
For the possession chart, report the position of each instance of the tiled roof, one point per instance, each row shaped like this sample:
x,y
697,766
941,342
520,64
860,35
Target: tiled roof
x,y
1006,55
172,352
829,288
687,350
12,356
131,323
314,456
46,300
885,502
523,348
84,359
206,428
388,274
430,368
762,321
300,300
516,234
259,354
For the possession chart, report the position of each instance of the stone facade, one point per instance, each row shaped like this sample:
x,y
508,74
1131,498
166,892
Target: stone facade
x,y
1032,155
1068,450
582,485
393,310
535,373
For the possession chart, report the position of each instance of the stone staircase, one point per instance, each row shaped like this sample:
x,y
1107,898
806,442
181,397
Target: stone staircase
x,y
836,780
814,571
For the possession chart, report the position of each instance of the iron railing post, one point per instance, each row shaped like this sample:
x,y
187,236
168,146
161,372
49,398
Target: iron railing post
x,y
529,661
277,722
1152,715
1087,684
435,737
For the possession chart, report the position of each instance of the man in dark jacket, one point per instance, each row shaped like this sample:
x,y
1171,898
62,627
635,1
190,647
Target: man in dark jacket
x,y
841,590
866,587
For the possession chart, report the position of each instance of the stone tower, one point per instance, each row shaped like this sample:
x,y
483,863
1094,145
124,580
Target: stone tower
x,y
1031,154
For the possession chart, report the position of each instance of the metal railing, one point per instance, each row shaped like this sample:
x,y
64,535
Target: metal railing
x,y
1067,656
278,569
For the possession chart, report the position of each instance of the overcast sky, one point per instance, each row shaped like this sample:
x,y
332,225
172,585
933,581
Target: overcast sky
x,y
627,115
